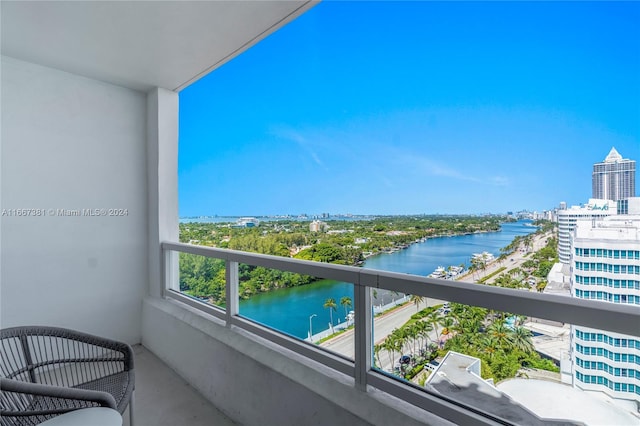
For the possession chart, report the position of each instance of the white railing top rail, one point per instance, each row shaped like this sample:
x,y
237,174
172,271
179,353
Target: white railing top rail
x,y
619,318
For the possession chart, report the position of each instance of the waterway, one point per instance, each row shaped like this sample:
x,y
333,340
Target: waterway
x,y
291,310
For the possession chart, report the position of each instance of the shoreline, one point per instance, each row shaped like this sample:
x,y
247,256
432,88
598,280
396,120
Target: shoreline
x,y
394,250
327,342
424,239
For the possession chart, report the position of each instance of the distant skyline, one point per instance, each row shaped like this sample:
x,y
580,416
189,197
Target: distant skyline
x,y
415,108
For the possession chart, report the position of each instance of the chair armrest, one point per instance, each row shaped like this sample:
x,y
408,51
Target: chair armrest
x,y
56,393
79,336
122,347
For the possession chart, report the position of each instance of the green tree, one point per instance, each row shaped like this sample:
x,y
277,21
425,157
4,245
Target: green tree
x,y
391,344
502,334
424,330
434,319
376,352
331,305
447,324
521,339
346,302
490,346
416,299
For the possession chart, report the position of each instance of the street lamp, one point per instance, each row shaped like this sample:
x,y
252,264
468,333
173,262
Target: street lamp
x,y
310,328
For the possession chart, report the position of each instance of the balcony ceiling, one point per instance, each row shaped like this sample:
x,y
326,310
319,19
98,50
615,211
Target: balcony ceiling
x,y
139,44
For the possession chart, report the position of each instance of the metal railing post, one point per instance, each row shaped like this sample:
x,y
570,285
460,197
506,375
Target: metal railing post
x,y
171,278
232,284
363,334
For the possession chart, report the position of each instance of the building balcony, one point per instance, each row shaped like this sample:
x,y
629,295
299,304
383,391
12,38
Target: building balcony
x,y
90,124
163,398
355,367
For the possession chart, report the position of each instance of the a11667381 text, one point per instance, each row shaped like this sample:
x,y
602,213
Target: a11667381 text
x,y
60,212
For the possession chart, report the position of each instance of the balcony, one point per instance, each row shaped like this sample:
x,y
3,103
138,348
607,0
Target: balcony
x,y
164,399
89,122
472,405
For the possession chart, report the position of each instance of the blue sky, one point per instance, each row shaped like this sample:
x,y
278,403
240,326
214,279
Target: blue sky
x,y
415,107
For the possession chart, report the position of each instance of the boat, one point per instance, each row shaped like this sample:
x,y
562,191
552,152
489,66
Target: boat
x,y
440,272
454,271
485,257
449,273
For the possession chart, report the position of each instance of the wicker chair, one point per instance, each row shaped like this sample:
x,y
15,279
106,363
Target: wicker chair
x,y
47,371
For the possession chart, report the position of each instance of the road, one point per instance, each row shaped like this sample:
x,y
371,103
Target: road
x,y
386,323
516,259
383,325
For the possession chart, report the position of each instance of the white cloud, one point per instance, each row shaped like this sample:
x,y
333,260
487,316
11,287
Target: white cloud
x,y
419,164
288,133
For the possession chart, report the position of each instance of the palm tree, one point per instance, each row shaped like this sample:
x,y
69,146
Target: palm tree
x,y
401,337
392,344
376,352
485,261
502,334
424,332
474,267
415,332
330,304
522,340
447,324
389,345
416,300
468,326
347,303
434,319
489,345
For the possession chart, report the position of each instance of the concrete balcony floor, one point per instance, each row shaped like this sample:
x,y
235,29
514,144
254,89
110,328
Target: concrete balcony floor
x,y
163,398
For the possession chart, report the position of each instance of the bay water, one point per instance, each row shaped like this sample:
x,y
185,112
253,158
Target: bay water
x,y
293,310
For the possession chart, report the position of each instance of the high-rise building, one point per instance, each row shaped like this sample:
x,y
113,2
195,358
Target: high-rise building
x,y
317,226
614,178
568,218
606,267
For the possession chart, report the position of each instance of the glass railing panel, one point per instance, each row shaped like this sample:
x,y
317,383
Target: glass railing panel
x,y
309,308
514,367
405,337
202,278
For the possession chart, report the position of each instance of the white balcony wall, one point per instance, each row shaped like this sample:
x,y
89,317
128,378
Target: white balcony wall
x,y
73,143
256,382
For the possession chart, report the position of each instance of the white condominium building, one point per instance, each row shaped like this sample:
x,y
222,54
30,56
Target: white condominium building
x,y
567,219
606,267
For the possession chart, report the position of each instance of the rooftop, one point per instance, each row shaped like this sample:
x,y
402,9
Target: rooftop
x,y
458,377
619,228
554,400
613,156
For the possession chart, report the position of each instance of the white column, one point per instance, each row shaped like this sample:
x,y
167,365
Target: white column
x,y
162,180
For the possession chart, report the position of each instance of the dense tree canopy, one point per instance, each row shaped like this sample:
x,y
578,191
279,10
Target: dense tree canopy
x,y
342,242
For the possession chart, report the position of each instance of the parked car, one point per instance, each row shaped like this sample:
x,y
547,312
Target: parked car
x,y
405,359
